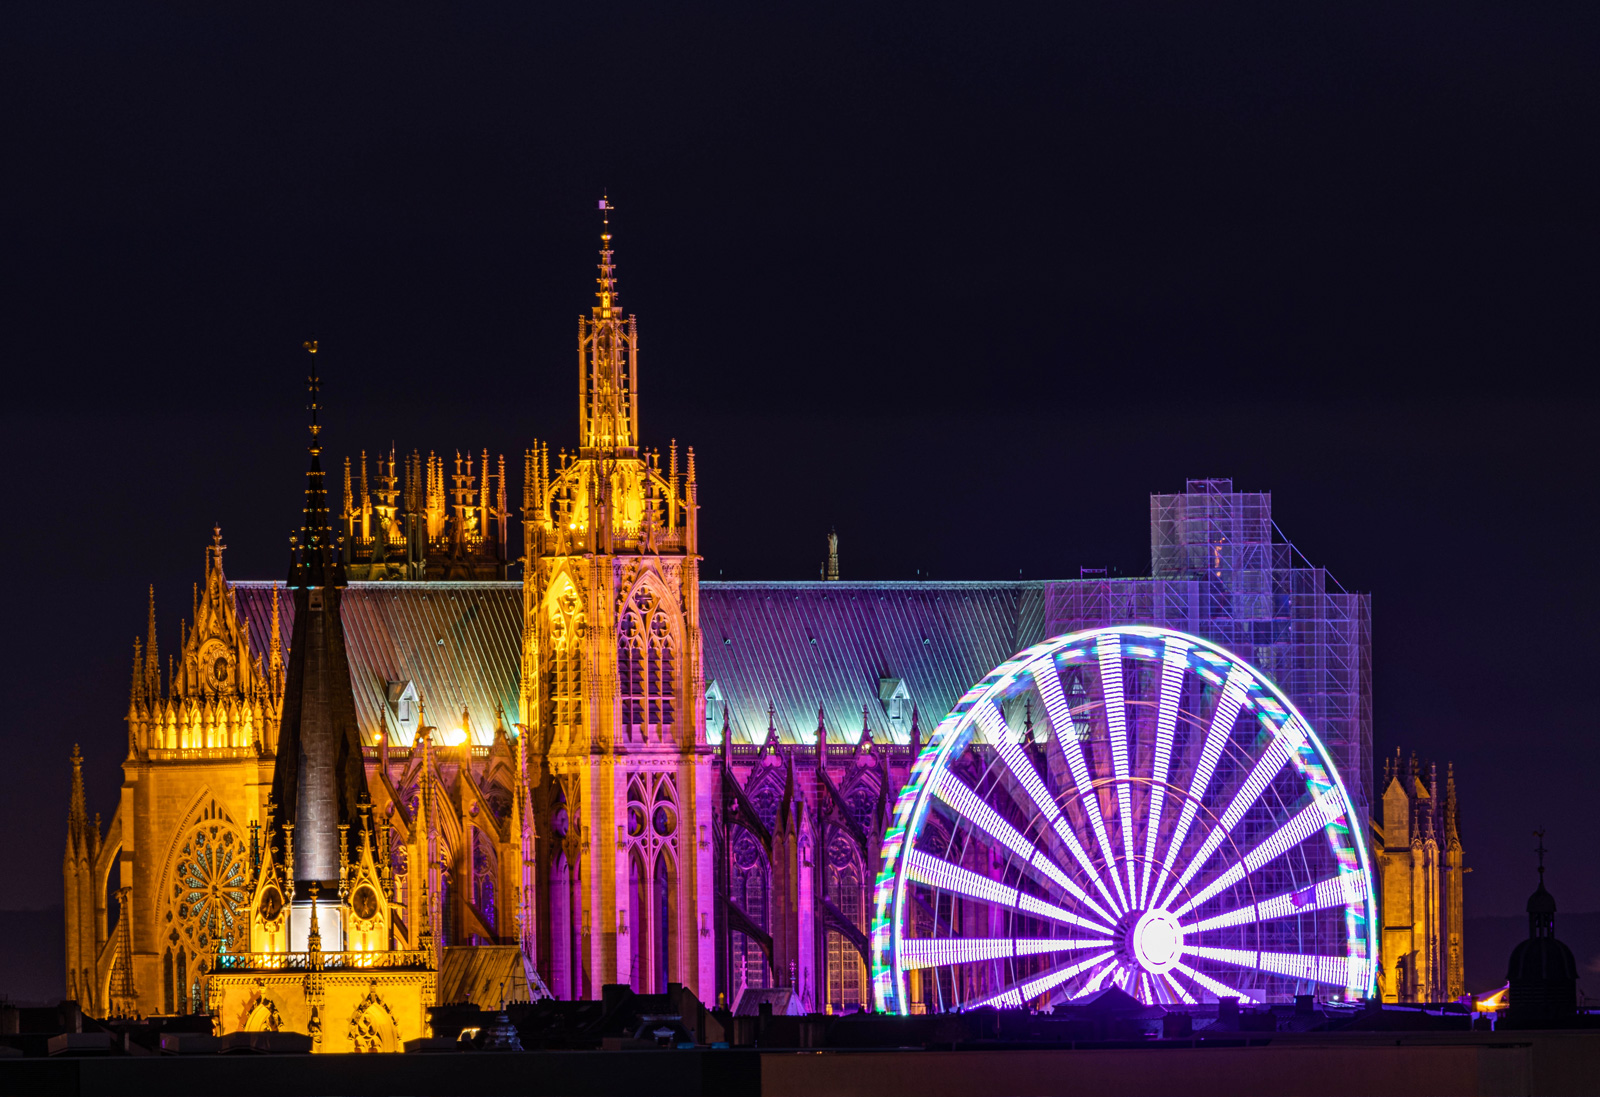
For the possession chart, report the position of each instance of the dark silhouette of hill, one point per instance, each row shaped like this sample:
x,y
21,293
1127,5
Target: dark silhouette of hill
x,y
32,947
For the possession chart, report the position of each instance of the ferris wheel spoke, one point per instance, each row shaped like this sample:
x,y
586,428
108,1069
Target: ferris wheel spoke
x,y
1336,891
946,951
1329,970
1114,694
1222,718
971,807
1024,774
924,868
1097,981
1306,822
1027,990
1059,715
1273,759
1177,989
1221,990
1174,662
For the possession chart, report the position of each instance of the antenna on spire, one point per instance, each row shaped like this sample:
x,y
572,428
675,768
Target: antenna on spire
x,y
312,385
1541,851
608,271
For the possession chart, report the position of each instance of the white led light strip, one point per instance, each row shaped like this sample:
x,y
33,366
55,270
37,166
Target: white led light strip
x,y
1116,709
925,953
1330,970
923,868
1060,718
1221,990
1307,821
1026,992
1266,768
1336,891
1177,988
1222,718
1097,981
1023,771
970,806
1173,665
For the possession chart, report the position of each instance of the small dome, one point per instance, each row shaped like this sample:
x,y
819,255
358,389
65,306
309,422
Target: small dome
x,y
1541,960
1541,902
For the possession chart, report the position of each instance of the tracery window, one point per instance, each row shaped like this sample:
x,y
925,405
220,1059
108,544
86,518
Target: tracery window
x,y
565,660
484,869
209,893
650,834
750,885
846,974
647,665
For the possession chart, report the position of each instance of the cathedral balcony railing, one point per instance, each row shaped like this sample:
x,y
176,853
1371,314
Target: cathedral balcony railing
x,y
667,541
746,753
330,961
200,754
401,752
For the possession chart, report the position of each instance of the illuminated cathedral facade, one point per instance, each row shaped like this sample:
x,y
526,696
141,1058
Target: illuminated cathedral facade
x,y
404,776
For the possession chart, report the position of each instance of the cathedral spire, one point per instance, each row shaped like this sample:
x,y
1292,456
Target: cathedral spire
x,y
152,661
78,819
608,361
319,776
136,693
314,561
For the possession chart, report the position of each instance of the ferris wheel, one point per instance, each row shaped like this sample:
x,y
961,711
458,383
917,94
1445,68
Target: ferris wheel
x,y
1129,807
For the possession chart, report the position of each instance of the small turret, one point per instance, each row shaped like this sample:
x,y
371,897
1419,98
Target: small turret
x,y
152,660
78,815
1542,974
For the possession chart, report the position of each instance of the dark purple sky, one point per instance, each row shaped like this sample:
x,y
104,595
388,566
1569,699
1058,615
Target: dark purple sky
x,y
966,282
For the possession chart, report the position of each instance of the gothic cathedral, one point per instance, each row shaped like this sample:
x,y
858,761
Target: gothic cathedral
x,y
303,843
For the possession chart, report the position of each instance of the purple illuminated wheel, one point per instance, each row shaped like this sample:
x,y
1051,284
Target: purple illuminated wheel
x,y
1129,807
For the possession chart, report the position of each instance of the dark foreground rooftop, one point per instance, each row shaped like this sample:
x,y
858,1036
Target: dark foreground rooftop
x,y
1333,1063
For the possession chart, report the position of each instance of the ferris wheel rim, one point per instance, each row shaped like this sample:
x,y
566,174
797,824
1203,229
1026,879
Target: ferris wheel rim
x,y
1132,873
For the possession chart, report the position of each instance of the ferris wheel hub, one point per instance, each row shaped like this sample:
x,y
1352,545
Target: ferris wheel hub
x,y
1156,941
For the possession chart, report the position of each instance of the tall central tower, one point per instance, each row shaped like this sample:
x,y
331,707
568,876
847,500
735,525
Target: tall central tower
x,y
612,686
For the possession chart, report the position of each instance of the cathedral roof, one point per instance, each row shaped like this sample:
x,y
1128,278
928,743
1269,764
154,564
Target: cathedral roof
x,y
827,643
457,642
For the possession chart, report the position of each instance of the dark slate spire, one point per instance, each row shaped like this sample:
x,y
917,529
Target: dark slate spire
x,y
313,553
319,779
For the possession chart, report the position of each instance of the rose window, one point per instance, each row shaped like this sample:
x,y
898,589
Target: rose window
x,y
209,889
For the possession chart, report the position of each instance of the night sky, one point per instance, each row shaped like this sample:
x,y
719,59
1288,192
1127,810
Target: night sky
x,y
965,282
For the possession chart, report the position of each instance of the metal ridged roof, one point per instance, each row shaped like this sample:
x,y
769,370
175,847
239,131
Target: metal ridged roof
x,y
458,642
938,638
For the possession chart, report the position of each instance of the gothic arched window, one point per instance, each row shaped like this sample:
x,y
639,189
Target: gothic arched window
x,y
638,905
209,893
647,665
664,923
750,884
484,869
847,976
565,663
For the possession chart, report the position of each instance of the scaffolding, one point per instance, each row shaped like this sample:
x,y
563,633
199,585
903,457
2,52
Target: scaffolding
x,y
1222,570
